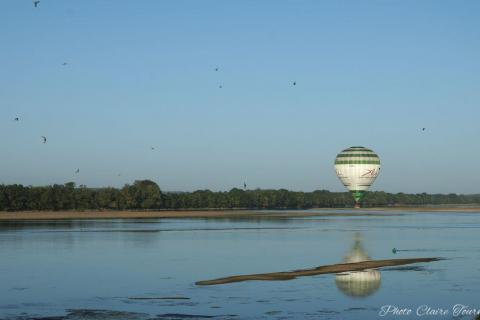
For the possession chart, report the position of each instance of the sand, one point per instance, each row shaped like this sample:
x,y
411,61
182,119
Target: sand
x,y
334,268
54,215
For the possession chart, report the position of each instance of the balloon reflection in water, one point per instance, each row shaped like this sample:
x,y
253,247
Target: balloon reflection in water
x,y
358,283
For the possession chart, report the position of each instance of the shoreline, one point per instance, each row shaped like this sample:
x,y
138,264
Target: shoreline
x,y
240,213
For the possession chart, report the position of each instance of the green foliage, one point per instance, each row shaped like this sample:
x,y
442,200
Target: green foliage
x,y
146,195
143,194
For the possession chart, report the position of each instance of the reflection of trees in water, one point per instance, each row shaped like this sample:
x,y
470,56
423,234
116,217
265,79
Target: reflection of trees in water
x,y
65,233
55,225
358,283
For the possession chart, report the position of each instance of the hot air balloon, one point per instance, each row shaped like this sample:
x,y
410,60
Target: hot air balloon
x,y
357,168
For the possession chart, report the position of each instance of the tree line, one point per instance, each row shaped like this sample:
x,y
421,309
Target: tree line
x,y
147,195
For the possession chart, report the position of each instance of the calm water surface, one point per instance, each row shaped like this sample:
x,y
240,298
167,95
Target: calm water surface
x,y
50,267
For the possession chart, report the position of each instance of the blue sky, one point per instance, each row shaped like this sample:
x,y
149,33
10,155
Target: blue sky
x,y
142,74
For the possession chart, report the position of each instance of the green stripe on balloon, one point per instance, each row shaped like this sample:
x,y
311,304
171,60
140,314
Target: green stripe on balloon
x,y
357,162
356,149
353,155
357,195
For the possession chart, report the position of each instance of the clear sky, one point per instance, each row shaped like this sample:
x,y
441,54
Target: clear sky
x,y
141,74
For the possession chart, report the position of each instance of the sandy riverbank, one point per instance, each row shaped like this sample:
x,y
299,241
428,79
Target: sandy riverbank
x,y
334,268
53,215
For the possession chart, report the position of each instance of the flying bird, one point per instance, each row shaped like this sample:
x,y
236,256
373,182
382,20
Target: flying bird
x,y
152,148
77,171
35,3
423,129
220,86
44,139
16,119
216,69
294,83
64,64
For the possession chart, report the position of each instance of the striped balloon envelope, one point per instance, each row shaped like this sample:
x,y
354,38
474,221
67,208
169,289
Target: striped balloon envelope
x,y
357,168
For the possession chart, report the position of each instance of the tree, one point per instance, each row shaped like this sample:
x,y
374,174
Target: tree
x,y
143,194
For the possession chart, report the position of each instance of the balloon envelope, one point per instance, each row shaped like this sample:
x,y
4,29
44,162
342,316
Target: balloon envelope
x,y
357,168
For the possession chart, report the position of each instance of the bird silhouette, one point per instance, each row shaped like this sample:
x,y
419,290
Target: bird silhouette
x,y
294,83
77,171
152,148
16,119
64,64
423,129
35,3
220,86
216,69
44,139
